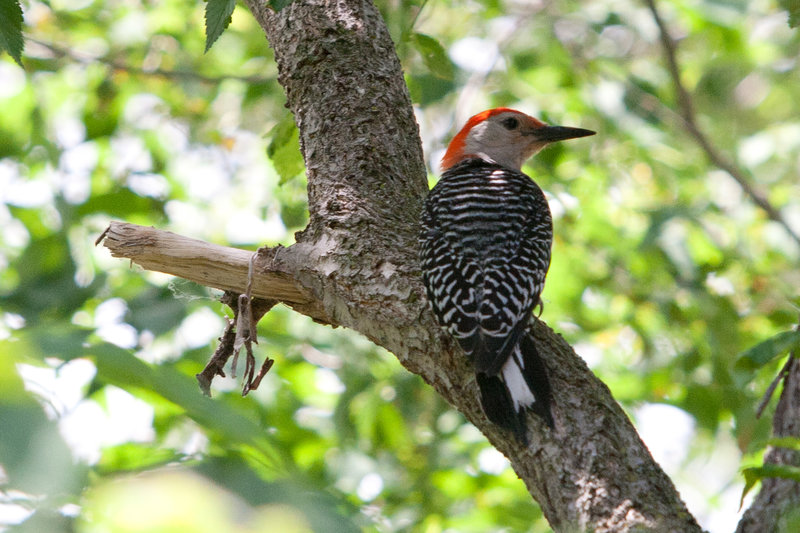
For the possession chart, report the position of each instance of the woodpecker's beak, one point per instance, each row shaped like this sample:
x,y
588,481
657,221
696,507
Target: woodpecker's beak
x,y
559,133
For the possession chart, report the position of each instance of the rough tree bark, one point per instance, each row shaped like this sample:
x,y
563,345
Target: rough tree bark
x,y
355,265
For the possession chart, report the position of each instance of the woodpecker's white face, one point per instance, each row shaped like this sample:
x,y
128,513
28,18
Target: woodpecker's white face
x,y
506,137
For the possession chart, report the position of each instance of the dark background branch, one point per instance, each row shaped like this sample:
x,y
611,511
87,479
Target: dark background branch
x,y
689,116
60,51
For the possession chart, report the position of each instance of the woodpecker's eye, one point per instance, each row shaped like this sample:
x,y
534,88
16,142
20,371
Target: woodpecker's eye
x,y
510,123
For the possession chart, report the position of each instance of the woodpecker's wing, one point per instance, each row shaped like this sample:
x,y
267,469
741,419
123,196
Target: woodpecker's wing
x,y
449,280
510,292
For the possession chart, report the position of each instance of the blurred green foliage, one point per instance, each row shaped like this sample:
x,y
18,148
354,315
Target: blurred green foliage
x,y
663,270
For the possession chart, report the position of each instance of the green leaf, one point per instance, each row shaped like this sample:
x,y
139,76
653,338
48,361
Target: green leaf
x,y
277,5
755,474
764,352
792,443
33,453
793,7
133,457
433,55
120,203
11,29
119,367
427,89
152,310
218,16
705,404
284,149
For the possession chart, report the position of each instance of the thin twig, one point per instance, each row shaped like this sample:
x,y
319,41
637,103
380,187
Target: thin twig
x,y
255,309
781,375
62,52
687,113
772,386
215,366
416,17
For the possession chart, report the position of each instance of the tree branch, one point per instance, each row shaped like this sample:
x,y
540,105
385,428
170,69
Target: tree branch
x,y
689,116
209,264
62,52
357,262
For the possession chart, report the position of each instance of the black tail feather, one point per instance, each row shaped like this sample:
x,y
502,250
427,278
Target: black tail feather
x,y
499,408
536,376
497,396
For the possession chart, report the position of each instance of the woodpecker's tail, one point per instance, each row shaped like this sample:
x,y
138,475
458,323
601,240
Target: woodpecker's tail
x,y
520,385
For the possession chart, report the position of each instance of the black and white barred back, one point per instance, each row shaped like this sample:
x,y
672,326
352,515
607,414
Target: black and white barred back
x,y
485,251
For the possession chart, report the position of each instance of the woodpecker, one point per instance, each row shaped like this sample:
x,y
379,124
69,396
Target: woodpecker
x,y
485,251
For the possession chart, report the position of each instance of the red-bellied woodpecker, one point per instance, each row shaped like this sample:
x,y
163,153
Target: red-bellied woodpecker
x,y
485,251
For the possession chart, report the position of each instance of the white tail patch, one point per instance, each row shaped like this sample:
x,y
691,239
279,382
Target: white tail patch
x,y
521,393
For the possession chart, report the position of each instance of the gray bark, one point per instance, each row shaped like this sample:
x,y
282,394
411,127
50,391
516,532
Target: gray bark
x,y
358,257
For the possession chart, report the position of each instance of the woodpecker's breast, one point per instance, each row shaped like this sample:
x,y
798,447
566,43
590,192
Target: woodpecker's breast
x,y
486,210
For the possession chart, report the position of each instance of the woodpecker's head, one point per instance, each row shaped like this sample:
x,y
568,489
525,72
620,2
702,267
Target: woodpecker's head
x,y
506,137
